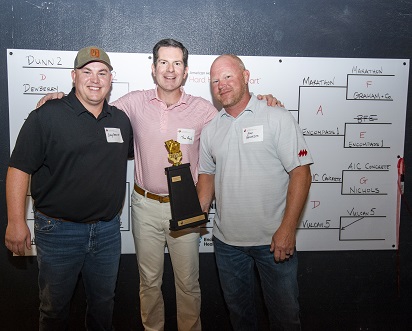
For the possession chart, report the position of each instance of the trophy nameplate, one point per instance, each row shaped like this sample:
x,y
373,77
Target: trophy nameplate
x,y
184,202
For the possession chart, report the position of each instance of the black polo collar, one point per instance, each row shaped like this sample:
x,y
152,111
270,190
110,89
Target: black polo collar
x,y
80,109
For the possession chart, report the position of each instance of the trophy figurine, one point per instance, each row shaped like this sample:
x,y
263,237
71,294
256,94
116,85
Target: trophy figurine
x,y
184,203
175,154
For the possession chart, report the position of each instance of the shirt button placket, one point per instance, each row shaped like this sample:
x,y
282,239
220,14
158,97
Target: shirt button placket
x,y
164,120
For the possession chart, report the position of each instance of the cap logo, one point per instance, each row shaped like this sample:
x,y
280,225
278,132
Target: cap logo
x,y
94,52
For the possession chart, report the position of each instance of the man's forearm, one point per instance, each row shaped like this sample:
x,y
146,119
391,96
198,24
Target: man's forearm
x,y
205,190
17,237
17,183
298,189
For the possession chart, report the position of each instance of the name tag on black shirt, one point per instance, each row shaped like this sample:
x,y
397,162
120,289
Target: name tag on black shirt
x,y
113,135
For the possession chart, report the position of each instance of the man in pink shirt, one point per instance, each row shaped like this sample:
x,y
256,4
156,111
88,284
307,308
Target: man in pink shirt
x,y
158,115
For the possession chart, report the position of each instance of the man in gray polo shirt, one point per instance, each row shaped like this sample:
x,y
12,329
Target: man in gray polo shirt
x,y
256,163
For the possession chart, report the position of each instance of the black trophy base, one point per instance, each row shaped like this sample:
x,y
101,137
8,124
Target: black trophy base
x,y
184,202
189,222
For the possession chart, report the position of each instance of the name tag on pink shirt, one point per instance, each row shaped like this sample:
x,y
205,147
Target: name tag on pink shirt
x,y
186,136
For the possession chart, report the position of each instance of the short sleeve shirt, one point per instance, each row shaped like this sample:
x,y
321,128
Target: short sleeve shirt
x,y
250,156
77,163
154,123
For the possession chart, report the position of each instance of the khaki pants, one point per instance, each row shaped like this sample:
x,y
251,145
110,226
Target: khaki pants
x,y
150,226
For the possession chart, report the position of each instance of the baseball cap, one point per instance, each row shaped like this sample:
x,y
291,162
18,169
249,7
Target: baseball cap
x,y
91,54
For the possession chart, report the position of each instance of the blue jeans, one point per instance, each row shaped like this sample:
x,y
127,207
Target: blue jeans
x,y
64,251
278,281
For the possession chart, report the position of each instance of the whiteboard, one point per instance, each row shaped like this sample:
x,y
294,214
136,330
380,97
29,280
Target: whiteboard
x,y
351,111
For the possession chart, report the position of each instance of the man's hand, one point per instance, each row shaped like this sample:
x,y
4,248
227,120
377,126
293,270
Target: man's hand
x,y
283,243
49,96
18,237
284,240
17,232
271,100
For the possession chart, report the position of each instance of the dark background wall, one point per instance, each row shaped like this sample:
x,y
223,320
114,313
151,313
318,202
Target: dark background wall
x,y
352,290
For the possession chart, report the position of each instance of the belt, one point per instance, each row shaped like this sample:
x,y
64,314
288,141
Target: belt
x,y
160,198
63,220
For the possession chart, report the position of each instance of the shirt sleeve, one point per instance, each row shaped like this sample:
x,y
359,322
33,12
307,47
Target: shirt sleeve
x,y
123,103
131,144
291,146
206,162
29,152
211,113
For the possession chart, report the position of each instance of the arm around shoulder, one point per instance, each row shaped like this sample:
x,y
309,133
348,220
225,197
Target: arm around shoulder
x,y
270,100
49,96
17,232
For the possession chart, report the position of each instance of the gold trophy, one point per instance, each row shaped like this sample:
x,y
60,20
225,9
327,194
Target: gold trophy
x,y
175,154
184,202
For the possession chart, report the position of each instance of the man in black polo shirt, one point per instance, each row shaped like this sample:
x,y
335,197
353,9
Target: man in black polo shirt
x,y
75,150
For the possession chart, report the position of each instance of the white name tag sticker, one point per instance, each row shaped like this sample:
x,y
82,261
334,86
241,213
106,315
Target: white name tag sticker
x,y
113,135
253,134
185,136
